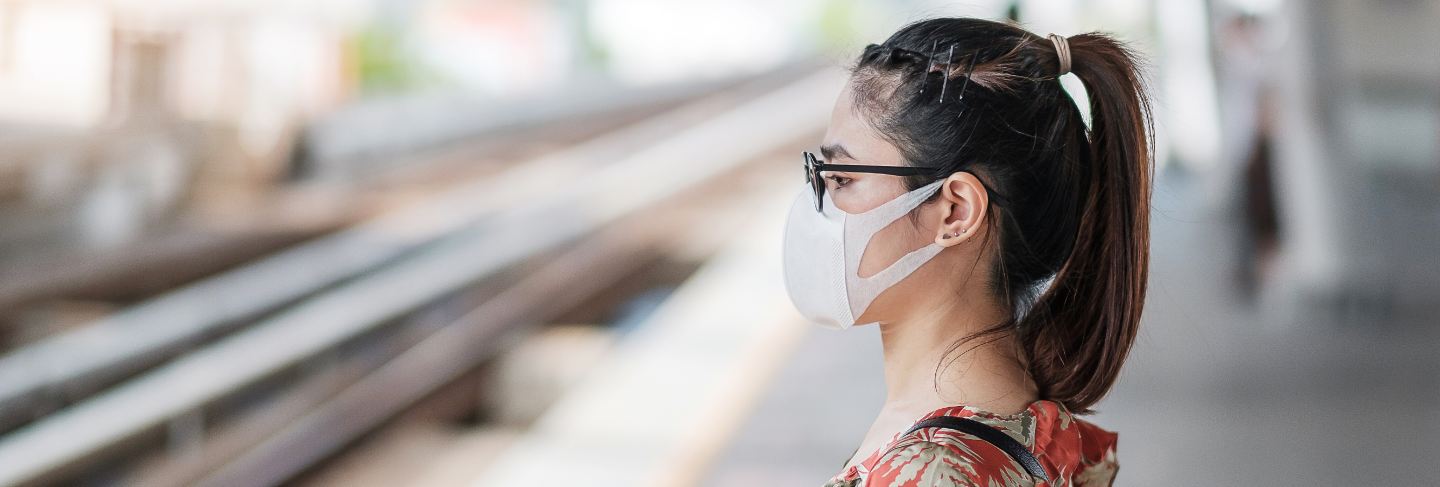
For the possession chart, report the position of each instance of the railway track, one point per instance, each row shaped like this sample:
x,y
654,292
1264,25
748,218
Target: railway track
x,y
438,194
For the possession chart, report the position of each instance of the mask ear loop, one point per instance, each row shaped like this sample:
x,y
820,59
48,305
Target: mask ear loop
x,y
873,221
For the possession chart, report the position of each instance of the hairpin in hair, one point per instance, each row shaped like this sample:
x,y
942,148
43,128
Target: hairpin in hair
x,y
929,66
969,73
946,73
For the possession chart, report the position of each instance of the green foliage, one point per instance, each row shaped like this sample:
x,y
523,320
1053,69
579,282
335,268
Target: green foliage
x,y
384,65
840,25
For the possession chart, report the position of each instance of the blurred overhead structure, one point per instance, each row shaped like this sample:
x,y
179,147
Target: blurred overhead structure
x,y
1357,160
117,112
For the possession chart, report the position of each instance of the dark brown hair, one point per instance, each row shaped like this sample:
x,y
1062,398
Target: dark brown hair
x,y
1069,205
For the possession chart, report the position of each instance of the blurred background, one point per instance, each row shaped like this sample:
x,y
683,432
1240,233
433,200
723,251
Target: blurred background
x,y
534,242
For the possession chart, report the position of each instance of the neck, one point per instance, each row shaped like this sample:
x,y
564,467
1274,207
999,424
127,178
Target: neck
x,y
985,372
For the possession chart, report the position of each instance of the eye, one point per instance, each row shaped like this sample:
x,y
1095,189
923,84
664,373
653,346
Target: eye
x,y
840,181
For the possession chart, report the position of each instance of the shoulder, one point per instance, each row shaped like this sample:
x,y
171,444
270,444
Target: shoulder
x,y
942,460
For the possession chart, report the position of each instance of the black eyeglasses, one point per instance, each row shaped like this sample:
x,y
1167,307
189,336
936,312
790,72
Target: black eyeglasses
x,y
813,166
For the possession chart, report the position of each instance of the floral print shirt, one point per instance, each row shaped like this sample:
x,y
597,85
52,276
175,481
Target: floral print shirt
x,y
1072,451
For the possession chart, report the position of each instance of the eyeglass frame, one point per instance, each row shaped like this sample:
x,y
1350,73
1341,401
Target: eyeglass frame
x,y
814,165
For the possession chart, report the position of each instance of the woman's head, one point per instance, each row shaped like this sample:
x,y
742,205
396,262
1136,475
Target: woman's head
x,y
1044,219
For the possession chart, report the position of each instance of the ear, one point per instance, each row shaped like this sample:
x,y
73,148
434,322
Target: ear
x,y
963,203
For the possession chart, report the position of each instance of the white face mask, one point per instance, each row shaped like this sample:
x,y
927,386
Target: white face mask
x,y
823,250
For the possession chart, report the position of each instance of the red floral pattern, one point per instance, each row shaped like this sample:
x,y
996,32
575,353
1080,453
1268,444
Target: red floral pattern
x,y
1073,452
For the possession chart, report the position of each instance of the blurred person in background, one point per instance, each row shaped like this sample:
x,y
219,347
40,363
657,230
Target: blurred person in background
x,y
963,202
1246,165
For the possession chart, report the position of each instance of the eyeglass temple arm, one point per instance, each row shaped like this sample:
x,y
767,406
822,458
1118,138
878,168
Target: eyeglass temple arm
x,y
891,170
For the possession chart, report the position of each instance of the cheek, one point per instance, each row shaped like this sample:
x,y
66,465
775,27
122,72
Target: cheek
x,y
852,199
865,193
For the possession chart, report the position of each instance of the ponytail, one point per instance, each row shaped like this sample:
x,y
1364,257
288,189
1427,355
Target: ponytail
x,y
1082,327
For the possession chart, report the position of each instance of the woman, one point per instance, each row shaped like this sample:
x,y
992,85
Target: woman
x,y
1001,246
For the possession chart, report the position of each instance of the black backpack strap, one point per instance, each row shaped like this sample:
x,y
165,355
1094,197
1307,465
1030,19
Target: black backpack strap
x,y
991,435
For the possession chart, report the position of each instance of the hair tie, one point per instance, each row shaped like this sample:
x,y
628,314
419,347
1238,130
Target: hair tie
x,y
1062,49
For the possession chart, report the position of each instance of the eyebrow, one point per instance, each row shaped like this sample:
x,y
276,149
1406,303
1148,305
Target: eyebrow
x,y
835,150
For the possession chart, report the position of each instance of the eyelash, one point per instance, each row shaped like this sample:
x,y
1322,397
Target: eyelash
x,y
840,181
